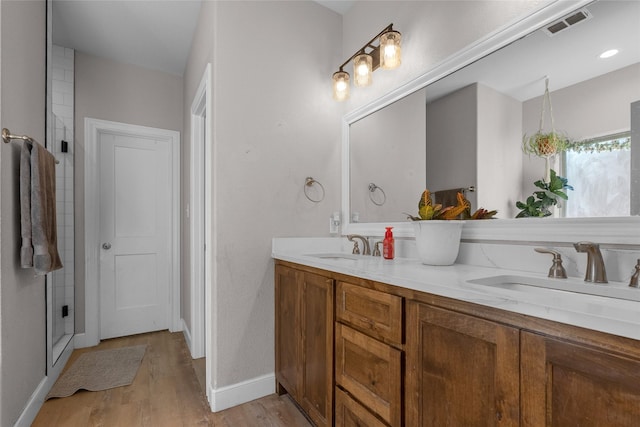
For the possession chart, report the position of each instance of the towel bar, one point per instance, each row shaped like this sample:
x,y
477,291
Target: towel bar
x,y
7,138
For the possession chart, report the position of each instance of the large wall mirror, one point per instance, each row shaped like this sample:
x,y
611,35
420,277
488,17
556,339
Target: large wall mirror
x,y
461,126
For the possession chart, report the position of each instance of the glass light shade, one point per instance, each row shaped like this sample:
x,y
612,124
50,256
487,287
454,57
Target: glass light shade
x,y
340,85
363,69
390,50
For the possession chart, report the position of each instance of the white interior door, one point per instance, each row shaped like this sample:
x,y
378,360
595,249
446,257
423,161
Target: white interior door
x,y
135,234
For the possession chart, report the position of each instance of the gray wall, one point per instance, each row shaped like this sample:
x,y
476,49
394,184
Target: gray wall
x,y
498,150
22,296
110,90
388,149
452,134
274,123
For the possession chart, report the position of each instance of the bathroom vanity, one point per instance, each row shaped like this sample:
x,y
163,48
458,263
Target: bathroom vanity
x,y
371,342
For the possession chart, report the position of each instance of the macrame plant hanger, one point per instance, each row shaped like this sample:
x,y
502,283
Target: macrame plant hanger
x,y
547,148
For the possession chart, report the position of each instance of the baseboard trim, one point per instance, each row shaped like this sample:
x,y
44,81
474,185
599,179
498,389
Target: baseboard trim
x,y
187,336
243,392
82,341
36,400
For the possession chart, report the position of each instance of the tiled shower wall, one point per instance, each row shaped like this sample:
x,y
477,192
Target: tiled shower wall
x,y
62,99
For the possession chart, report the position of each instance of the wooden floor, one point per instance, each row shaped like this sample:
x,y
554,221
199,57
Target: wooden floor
x,y
166,392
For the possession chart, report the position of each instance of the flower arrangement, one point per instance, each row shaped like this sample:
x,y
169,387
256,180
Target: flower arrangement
x,y
428,211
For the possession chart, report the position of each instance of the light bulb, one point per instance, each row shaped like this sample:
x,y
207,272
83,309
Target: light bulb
x,y
340,85
363,69
390,49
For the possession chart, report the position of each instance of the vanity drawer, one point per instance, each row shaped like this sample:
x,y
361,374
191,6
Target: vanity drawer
x,y
370,371
375,313
350,413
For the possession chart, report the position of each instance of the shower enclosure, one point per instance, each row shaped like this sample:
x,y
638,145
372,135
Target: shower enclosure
x,y
61,300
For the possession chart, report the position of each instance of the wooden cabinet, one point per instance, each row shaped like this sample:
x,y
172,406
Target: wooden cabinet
x,y
566,384
443,362
304,341
368,368
461,370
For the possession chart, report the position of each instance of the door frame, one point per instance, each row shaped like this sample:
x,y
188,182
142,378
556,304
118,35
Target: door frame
x,y
92,130
202,230
200,214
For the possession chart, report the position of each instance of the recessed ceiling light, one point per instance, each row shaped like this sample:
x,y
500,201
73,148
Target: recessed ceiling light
x,y
609,53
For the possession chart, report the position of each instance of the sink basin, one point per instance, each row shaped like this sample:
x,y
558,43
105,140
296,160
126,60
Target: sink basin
x,y
513,282
336,256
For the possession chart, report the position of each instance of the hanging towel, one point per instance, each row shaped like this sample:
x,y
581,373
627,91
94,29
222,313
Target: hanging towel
x,y
447,197
26,250
41,240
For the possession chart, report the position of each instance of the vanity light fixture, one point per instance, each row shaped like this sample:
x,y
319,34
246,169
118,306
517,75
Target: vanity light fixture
x,y
387,55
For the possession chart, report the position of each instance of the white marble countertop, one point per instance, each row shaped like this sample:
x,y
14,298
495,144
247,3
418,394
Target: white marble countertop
x,y
604,314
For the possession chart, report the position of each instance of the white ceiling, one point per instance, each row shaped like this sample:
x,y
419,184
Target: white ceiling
x,y
154,34
340,6
569,57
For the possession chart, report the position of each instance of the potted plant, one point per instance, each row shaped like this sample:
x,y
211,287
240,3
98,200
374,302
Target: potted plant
x,y
438,231
545,144
539,204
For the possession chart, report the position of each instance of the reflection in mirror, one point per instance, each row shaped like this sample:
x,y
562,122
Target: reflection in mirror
x,y
387,149
476,118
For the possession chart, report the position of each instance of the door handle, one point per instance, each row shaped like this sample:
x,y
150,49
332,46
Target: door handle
x,y
106,246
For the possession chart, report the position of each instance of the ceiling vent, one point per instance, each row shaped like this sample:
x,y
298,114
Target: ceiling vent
x,y
568,21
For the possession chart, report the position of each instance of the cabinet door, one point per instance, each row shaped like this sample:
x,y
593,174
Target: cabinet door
x,y
375,313
317,348
565,384
350,413
287,332
461,370
370,371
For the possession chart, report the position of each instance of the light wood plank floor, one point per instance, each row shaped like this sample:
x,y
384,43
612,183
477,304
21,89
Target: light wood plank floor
x,y
166,392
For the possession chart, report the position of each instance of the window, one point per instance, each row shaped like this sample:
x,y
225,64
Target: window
x,y
599,170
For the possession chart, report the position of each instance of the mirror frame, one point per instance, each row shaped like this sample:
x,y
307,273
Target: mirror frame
x,y
620,231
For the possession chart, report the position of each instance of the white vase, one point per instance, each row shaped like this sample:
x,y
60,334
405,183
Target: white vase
x,y
438,241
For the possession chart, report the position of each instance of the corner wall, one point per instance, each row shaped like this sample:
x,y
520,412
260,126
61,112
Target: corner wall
x,y
274,124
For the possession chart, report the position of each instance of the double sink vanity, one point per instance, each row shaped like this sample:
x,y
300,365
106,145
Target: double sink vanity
x,y
363,341
490,340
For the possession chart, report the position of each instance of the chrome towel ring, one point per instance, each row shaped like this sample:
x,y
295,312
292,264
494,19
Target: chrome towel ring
x,y
372,189
309,182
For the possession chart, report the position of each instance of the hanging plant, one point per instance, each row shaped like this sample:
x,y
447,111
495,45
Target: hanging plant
x,y
539,204
545,144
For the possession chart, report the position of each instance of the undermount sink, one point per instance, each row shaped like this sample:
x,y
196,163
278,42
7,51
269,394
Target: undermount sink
x,y
513,282
336,255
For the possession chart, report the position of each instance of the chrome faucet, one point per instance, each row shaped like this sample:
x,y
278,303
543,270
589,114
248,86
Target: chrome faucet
x,y
365,244
595,264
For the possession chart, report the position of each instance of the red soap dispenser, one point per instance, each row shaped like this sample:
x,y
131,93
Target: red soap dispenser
x,y
388,244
